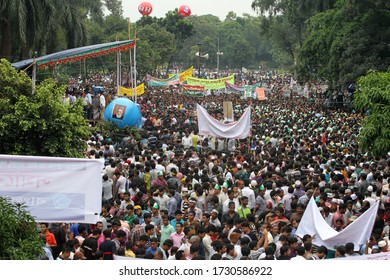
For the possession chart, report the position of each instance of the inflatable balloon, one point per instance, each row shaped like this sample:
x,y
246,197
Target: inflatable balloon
x,y
145,8
184,11
123,112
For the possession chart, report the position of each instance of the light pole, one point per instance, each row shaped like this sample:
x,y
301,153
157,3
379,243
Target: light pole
x,y
218,54
199,54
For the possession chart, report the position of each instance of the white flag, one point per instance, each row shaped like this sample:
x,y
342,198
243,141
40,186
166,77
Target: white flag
x,y
358,232
236,130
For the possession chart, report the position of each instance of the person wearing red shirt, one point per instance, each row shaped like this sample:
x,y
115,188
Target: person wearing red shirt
x,y
49,237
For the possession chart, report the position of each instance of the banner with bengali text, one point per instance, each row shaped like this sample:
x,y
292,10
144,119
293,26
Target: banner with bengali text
x,y
193,88
53,189
184,75
234,87
156,82
211,83
129,91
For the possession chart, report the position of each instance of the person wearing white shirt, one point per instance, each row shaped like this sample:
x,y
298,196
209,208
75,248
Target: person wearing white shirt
x,y
231,198
102,105
300,252
186,141
248,192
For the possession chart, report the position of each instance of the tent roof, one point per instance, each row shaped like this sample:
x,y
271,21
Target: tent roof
x,y
76,54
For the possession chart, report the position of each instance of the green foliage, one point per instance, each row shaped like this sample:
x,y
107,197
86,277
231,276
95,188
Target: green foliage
x,y
19,236
374,95
110,131
44,26
40,123
345,42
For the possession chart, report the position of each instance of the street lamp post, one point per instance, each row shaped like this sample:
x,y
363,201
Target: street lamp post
x,y
199,54
218,54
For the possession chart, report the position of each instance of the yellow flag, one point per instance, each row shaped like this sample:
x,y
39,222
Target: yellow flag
x,y
184,75
129,91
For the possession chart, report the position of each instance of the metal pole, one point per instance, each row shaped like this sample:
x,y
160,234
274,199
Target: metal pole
x,y
199,54
135,68
131,74
118,70
218,58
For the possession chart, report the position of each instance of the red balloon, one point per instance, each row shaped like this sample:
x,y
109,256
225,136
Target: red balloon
x,y
184,11
145,8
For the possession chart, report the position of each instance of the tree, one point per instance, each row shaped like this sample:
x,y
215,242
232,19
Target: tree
x,y
345,42
284,24
19,237
373,94
40,123
160,40
44,26
115,7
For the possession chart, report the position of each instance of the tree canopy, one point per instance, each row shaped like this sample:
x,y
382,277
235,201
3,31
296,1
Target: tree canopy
x,y
19,236
345,42
373,96
40,123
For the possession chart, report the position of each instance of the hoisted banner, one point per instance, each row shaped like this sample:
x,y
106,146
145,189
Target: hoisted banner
x,y
193,88
184,75
129,91
212,83
156,82
53,189
208,125
358,232
234,87
260,94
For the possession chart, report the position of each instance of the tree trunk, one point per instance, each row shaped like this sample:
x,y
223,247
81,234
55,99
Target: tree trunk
x,y
6,40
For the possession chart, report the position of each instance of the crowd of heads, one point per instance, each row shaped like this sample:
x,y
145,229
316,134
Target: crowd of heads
x,y
170,193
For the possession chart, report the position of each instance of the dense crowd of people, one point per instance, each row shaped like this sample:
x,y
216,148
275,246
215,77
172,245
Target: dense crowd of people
x,y
172,194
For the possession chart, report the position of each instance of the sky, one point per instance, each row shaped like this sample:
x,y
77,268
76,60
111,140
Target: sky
x,y
218,8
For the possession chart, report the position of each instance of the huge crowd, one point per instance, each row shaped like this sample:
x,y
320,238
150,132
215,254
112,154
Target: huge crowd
x,y
172,194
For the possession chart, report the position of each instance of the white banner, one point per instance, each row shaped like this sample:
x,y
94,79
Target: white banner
x,y
53,189
357,232
378,256
236,130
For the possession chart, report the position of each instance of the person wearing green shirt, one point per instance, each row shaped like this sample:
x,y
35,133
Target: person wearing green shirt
x,y
166,230
129,215
243,210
